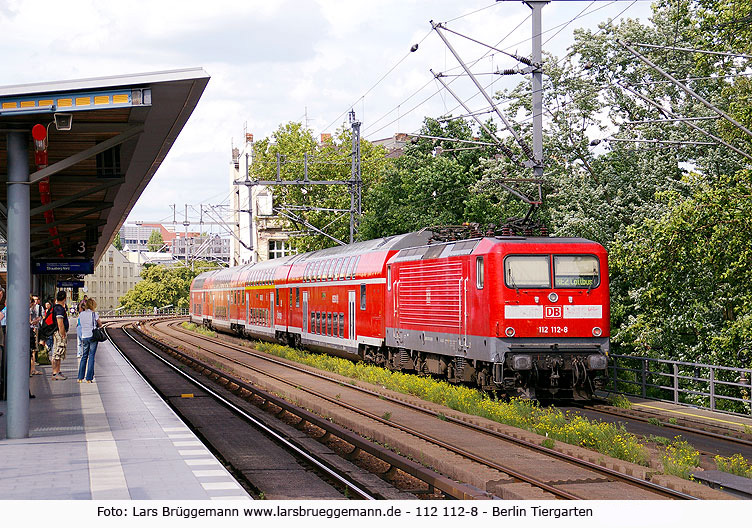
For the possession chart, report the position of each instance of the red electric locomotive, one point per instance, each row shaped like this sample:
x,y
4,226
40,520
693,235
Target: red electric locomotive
x,y
527,316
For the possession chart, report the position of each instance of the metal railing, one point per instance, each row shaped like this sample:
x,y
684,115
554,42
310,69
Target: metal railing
x,y
145,313
714,387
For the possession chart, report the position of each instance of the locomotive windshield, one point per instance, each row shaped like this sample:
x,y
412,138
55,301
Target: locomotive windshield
x,y
527,271
576,271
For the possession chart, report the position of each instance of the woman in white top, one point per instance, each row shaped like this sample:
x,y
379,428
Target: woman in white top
x,y
89,320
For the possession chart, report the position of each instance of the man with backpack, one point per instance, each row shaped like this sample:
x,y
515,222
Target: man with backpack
x,y
60,315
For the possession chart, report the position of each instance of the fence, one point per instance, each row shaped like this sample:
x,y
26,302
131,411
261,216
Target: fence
x,y
145,313
713,387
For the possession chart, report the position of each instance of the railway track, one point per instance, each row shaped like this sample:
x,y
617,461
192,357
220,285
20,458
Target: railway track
x,y
734,440
303,418
516,461
228,425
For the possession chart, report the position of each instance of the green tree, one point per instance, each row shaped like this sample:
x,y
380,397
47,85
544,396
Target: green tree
x,y
330,160
117,242
155,241
162,285
430,184
687,276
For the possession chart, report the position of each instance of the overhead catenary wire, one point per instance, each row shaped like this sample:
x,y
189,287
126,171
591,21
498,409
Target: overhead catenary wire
x,y
370,133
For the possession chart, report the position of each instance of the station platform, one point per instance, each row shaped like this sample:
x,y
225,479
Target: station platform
x,y
114,439
695,414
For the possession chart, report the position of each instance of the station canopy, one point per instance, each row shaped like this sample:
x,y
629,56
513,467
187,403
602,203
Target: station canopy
x,y
105,139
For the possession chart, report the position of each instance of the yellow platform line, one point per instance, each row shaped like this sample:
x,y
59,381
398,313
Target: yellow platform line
x,y
687,414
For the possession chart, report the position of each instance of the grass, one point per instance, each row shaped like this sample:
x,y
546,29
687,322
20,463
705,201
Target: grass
x,y
679,458
609,439
199,329
735,464
620,401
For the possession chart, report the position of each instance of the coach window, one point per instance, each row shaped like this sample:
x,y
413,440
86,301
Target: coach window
x,y
297,298
313,323
338,267
479,273
276,298
362,296
527,271
389,278
341,324
343,270
330,269
290,296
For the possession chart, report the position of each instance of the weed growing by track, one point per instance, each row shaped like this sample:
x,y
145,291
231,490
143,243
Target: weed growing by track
x,y
199,329
680,458
736,465
609,439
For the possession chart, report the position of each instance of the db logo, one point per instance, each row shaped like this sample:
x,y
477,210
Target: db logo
x,y
552,312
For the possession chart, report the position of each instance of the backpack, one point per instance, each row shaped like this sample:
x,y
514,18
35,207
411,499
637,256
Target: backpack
x,y
49,324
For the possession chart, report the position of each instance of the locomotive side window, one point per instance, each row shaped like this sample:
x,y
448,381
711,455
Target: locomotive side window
x,y
479,273
297,297
527,271
362,296
389,278
576,271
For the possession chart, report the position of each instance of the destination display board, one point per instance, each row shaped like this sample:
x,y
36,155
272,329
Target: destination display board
x,y
56,266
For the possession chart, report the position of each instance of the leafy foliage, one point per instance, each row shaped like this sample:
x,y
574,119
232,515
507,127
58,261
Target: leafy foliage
x,y
163,285
329,160
117,242
155,241
687,276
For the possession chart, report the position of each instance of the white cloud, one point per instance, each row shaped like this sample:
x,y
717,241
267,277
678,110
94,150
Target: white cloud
x,y
269,60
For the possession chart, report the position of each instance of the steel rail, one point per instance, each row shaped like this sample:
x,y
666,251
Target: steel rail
x,y
321,466
551,452
700,432
433,479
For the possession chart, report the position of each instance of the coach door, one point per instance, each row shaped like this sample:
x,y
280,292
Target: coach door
x,y
351,315
247,307
305,313
272,297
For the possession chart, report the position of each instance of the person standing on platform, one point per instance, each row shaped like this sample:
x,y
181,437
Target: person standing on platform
x,y
48,342
89,320
79,342
34,320
60,336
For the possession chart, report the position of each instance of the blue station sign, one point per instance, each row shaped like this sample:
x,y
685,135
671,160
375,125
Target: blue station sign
x,y
70,284
57,266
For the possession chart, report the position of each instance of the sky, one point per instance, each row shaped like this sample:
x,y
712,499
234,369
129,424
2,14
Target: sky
x,y
276,61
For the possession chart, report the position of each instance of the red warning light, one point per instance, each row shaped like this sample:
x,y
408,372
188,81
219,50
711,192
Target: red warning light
x,y
39,132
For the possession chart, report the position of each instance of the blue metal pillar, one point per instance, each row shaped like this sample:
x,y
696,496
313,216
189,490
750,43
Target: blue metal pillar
x,y
19,281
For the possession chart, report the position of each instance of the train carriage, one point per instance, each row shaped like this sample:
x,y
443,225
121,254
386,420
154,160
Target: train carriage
x,y
528,316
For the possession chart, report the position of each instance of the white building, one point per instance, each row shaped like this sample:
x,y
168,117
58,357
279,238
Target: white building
x,y
268,236
113,277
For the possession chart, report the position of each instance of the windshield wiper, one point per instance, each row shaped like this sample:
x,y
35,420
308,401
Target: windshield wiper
x,y
514,284
592,284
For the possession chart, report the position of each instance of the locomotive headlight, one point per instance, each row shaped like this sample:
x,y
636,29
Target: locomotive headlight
x,y
597,331
553,296
509,331
597,362
522,362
